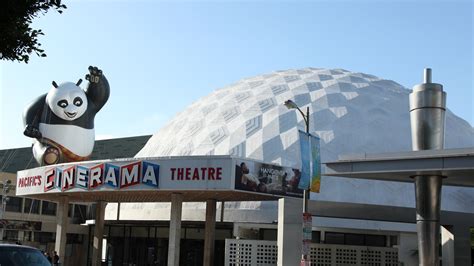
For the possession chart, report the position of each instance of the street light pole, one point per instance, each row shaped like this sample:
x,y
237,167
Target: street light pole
x,y
305,260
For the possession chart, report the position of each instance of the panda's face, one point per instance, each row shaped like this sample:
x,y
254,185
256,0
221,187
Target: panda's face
x,y
68,101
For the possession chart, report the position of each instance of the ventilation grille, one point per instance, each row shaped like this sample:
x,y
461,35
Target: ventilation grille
x,y
265,253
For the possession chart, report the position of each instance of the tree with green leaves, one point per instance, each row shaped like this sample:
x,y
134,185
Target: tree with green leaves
x,y
18,40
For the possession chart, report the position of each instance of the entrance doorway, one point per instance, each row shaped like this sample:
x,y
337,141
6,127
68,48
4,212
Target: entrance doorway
x,y
147,244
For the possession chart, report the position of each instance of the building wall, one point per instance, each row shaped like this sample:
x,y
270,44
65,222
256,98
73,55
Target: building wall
x,y
408,249
22,225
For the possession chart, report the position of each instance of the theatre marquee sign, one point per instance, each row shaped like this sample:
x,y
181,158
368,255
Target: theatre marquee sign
x,y
187,173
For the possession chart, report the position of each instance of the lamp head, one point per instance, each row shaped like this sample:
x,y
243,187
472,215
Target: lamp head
x,y
290,104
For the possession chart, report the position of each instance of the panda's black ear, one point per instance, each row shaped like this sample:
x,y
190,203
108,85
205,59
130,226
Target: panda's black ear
x,y
55,84
79,82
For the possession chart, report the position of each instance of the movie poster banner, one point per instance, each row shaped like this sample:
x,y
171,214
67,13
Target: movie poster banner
x,y
310,162
305,161
267,178
315,164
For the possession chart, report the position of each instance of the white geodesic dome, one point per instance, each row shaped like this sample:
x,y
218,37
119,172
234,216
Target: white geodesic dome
x,y
351,112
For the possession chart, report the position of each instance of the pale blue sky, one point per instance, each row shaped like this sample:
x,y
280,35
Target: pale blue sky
x,y
160,56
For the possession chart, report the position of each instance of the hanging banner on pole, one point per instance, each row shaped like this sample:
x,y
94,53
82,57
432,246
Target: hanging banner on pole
x,y
316,164
305,161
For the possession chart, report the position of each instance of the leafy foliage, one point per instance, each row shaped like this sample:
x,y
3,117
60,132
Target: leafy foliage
x,y
17,39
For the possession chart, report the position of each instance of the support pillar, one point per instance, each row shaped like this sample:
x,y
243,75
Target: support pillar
x,y
61,228
222,211
118,211
427,118
175,229
428,205
290,234
98,233
210,233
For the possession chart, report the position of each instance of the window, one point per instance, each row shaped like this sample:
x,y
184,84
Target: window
x,y
14,204
11,235
80,212
375,240
91,215
316,237
393,240
268,234
44,237
49,208
334,238
116,231
27,236
31,206
355,239
69,210
74,239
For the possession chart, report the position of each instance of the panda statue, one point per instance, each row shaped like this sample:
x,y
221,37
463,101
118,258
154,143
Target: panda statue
x,y
61,122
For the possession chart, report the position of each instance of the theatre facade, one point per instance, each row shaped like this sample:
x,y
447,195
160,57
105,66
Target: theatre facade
x,y
191,179
230,161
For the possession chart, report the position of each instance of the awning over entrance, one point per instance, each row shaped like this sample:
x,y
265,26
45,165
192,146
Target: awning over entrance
x,y
455,164
196,178
155,196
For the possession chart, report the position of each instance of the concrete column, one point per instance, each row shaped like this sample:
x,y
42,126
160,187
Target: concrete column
x,y
462,245
222,211
290,231
61,228
175,229
41,207
98,233
210,233
118,211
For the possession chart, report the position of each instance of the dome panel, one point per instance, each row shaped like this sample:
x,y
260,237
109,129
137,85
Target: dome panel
x,y
351,112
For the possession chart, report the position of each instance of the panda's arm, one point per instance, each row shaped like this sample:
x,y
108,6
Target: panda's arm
x,y
32,115
98,91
